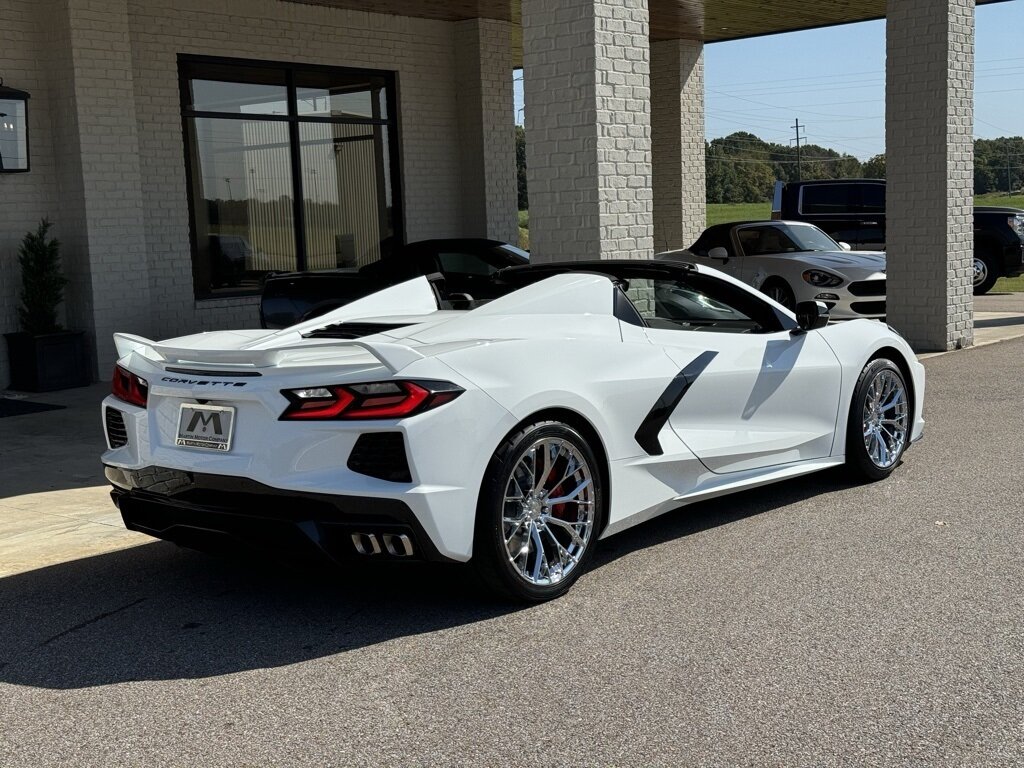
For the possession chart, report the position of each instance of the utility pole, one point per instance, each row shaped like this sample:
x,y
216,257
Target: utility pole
x,y
797,126
1009,190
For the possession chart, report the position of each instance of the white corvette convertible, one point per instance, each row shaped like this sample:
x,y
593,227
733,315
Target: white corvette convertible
x,y
793,262
590,397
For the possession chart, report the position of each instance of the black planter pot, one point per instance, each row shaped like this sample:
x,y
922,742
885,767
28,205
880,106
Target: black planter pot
x,y
47,362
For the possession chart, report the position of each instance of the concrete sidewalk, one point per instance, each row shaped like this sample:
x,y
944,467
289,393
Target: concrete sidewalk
x,y
54,501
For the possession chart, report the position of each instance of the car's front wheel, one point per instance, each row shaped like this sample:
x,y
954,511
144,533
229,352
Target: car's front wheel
x,y
540,510
878,430
777,289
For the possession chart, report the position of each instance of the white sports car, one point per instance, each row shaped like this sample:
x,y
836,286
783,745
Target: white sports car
x,y
590,397
792,262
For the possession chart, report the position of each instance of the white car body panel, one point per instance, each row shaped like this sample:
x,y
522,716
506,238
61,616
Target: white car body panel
x,y
738,414
767,407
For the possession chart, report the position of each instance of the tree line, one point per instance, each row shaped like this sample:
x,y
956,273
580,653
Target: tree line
x,y
742,168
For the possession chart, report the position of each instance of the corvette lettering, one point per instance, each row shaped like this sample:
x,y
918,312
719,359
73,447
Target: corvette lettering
x,y
203,382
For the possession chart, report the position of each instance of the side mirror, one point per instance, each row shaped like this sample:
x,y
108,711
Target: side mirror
x,y
719,253
811,315
844,246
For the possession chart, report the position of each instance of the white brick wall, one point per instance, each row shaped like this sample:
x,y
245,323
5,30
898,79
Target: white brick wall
x,y
483,62
930,177
586,72
677,142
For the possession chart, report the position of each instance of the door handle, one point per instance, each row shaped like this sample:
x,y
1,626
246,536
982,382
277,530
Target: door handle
x,y
870,223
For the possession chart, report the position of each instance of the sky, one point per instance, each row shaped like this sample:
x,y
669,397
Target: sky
x,y
842,104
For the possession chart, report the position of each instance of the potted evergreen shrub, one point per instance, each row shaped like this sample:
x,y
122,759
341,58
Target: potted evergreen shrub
x,y
44,356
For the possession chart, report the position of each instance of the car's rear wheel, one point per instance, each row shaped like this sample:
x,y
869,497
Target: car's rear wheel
x,y
878,430
540,510
986,272
777,289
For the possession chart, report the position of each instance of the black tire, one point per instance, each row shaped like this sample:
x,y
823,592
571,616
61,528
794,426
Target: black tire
x,y
491,557
859,462
779,290
987,266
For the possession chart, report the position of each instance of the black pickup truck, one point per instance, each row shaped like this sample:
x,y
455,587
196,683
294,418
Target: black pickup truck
x,y
465,264
853,211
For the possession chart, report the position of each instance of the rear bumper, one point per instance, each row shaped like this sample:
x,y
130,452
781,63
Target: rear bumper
x,y
197,509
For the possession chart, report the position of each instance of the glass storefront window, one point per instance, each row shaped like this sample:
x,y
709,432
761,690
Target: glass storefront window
x,y
289,169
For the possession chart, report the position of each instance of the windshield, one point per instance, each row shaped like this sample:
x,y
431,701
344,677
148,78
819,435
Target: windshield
x,y
784,238
524,255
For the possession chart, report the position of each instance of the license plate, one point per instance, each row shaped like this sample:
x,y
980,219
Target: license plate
x,y
205,426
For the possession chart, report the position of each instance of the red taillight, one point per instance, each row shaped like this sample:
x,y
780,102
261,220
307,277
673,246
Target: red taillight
x,y
375,400
129,387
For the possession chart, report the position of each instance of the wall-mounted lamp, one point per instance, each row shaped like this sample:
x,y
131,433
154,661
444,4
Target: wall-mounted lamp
x,y
13,130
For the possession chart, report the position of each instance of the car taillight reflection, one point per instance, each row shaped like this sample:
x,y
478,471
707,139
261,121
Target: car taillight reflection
x,y
373,400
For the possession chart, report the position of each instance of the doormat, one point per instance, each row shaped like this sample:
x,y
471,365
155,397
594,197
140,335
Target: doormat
x,y
9,407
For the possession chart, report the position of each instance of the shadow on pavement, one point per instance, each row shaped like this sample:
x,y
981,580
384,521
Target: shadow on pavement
x,y
158,612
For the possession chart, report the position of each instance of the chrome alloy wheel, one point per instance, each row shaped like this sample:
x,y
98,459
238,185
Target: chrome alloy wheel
x,y
886,419
980,271
549,511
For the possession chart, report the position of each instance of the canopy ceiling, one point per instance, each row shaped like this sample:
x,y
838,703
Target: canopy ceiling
x,y
707,20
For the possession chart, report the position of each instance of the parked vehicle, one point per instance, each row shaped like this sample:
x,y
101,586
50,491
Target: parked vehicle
x,y
589,397
466,265
794,262
853,211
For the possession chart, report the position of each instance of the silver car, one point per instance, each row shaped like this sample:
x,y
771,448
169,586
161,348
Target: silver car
x,y
793,262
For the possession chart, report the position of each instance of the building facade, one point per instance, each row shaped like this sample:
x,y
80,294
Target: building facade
x,y
131,173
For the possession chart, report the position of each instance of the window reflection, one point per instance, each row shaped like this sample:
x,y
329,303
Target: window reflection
x,y
330,94
242,202
346,202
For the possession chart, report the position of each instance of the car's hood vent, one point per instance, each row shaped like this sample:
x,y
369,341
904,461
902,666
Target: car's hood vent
x,y
354,330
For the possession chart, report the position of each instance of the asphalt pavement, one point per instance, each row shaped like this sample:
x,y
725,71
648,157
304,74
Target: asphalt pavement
x,y
810,623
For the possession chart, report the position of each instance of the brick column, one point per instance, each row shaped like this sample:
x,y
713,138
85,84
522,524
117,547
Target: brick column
x,y
677,142
483,68
98,176
586,67
929,167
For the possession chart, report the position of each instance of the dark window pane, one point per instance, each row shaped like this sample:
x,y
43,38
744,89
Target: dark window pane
x,y
345,180
340,94
828,199
13,136
462,263
242,203
873,198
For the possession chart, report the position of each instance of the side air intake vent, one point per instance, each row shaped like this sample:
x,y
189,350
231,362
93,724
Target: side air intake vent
x,y
381,455
117,434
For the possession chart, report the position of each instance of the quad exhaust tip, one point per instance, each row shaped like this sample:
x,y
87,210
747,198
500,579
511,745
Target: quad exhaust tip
x,y
395,544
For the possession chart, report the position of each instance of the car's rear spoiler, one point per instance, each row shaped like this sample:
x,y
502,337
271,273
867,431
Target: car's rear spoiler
x,y
395,357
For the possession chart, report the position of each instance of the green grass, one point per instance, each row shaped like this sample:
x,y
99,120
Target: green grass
x,y
1011,284
1000,198
720,213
